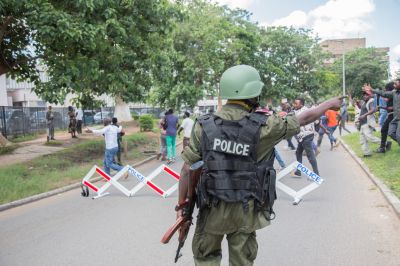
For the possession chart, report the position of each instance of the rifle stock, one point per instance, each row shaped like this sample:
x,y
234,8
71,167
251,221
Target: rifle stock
x,y
184,222
171,231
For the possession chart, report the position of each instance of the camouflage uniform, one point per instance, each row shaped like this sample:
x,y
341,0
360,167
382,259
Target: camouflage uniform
x,y
229,218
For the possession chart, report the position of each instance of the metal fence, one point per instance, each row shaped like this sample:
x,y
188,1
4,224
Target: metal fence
x,y
20,121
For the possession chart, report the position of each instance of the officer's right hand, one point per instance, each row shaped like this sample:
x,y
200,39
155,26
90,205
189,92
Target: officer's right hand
x,y
336,103
179,213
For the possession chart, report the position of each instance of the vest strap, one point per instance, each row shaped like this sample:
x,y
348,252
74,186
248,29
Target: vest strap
x,y
225,184
223,165
209,127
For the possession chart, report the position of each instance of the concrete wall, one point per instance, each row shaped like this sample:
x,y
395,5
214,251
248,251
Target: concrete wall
x,y
3,91
337,46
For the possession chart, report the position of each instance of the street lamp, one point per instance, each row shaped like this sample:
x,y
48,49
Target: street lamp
x,y
344,72
343,66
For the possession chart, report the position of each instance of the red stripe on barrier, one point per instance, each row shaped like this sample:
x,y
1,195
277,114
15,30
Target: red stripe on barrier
x,y
155,188
98,170
90,185
171,172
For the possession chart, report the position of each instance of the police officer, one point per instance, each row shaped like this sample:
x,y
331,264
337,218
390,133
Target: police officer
x,y
237,187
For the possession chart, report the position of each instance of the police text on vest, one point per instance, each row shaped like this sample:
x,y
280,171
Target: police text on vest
x,y
232,147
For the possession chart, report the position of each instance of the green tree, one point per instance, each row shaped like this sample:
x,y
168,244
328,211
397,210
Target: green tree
x,y
362,66
17,55
207,39
292,64
87,47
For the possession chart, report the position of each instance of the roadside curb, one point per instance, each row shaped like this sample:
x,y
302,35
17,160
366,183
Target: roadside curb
x,y
54,192
387,193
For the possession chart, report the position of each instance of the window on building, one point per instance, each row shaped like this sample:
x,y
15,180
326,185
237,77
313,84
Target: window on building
x,y
41,103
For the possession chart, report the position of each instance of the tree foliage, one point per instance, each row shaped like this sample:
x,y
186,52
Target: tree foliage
x,y
362,66
293,64
206,40
93,47
16,39
170,53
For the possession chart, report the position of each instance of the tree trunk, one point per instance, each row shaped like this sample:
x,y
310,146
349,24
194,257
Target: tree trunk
x,y
3,141
4,69
219,102
122,112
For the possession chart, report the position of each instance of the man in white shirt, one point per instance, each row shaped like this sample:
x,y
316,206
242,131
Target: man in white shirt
x,y
305,139
187,125
110,133
79,118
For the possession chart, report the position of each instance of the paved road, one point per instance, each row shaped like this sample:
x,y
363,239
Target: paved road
x,y
344,222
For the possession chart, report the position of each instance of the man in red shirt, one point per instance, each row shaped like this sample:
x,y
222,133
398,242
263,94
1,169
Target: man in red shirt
x,y
333,121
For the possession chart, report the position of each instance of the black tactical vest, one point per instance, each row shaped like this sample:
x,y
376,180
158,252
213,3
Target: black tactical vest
x,y
231,171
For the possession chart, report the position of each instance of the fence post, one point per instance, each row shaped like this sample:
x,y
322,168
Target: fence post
x,y
4,121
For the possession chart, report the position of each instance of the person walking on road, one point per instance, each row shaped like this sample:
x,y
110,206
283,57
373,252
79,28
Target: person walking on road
x,y
236,189
119,139
287,109
163,143
367,109
172,125
187,125
386,145
110,134
332,119
394,126
50,123
305,139
323,129
344,114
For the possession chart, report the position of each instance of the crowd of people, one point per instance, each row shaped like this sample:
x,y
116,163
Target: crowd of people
x,y
237,144
75,122
169,127
238,147
389,106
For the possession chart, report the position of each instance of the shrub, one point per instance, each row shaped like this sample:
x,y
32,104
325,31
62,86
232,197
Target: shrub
x,y
146,123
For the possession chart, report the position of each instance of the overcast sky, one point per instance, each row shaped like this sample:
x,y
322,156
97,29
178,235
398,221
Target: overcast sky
x,y
329,19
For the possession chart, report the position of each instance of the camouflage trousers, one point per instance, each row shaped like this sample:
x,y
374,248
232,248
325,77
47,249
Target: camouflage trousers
x,y
207,250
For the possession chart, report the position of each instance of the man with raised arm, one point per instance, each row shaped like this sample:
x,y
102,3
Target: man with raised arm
x,y
394,126
236,190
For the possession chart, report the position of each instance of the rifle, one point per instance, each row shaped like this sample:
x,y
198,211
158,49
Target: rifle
x,y
184,222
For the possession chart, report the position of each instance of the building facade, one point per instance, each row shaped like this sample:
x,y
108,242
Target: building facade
x,y
338,47
20,94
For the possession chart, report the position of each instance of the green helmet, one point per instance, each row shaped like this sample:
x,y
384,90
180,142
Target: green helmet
x,y
240,82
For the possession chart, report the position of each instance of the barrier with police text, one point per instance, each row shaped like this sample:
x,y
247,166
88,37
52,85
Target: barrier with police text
x,y
143,181
298,195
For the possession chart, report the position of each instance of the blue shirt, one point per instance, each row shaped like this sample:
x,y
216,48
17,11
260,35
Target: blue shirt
x,y
324,121
172,121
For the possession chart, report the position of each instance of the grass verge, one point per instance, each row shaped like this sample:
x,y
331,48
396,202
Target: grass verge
x,y
27,137
54,143
64,167
384,166
8,149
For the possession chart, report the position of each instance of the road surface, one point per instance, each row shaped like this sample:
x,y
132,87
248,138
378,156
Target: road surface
x,y
346,221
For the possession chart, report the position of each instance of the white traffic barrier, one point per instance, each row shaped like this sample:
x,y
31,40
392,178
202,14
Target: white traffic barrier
x,y
148,181
143,181
298,195
110,181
